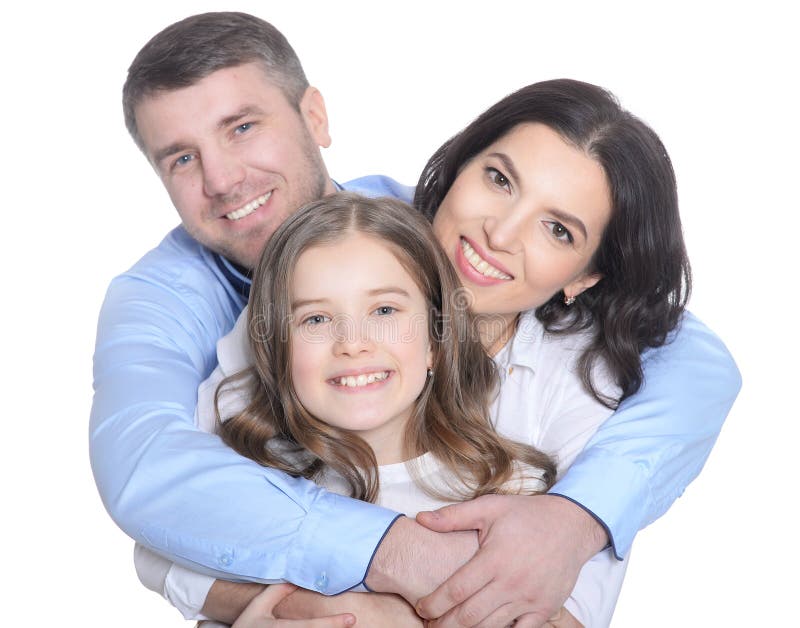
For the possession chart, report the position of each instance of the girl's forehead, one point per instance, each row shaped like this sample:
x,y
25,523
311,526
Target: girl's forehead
x,y
356,263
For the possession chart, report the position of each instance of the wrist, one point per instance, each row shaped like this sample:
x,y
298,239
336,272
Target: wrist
x,y
590,533
413,560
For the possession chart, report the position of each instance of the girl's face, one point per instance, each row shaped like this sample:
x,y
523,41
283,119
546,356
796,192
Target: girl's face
x,y
523,219
359,340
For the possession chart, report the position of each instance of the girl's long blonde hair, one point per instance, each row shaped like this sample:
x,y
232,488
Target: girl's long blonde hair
x,y
450,418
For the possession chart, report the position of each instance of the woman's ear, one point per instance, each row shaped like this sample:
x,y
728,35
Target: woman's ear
x,y
574,288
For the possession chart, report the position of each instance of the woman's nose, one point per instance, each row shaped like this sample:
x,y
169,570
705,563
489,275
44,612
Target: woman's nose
x,y
504,230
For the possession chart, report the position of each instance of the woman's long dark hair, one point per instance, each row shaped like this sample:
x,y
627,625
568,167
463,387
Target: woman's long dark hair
x,y
642,257
450,418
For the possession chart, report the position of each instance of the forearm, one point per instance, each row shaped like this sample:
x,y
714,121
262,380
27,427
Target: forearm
x,y
226,600
643,457
164,481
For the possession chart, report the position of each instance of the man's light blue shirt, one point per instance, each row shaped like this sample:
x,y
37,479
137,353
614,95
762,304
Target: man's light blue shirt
x,y
186,495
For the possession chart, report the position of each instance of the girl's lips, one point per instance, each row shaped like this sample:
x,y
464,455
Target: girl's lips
x,y
469,273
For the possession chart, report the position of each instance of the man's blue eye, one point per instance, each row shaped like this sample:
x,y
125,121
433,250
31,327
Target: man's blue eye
x,y
183,160
244,127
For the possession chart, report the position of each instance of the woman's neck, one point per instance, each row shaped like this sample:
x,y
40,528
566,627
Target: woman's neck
x,y
496,330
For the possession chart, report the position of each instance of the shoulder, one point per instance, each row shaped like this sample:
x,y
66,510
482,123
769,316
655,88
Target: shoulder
x,y
379,185
174,290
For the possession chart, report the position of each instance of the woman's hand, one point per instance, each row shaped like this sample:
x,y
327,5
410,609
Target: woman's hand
x,y
259,613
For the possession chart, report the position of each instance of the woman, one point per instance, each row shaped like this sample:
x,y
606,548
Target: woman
x,y
559,212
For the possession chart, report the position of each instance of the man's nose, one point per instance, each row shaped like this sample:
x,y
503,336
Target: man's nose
x,y
222,172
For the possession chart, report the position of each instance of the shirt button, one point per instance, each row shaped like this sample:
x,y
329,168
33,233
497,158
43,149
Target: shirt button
x,y
226,560
321,583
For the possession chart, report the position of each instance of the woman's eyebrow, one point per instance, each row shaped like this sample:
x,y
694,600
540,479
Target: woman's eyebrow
x,y
570,219
507,164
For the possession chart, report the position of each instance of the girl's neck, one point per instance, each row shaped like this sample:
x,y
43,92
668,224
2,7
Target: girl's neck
x,y
496,330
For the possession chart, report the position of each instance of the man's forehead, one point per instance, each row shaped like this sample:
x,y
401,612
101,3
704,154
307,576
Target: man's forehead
x,y
171,116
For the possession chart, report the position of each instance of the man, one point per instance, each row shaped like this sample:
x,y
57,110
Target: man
x,y
221,108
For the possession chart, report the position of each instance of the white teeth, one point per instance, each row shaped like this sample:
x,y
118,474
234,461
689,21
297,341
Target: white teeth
x,y
480,264
249,208
353,381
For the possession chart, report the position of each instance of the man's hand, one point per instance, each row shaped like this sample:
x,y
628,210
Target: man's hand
x,y
258,613
413,560
531,551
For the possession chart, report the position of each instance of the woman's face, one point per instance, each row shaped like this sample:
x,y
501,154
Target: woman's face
x,y
523,219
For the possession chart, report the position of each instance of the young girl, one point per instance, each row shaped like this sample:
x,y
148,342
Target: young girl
x,y
359,366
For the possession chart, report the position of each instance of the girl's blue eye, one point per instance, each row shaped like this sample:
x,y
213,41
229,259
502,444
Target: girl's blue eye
x,y
385,310
315,319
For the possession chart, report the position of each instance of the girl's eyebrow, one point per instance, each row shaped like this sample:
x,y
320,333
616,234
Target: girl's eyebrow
x,y
371,293
304,302
389,290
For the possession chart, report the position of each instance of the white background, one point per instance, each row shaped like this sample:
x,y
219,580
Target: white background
x,y
716,80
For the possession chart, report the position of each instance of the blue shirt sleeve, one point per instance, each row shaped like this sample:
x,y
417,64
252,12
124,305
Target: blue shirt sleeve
x,y
181,491
644,456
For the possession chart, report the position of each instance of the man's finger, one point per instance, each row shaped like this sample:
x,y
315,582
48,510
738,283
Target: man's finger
x,y
462,585
469,515
489,608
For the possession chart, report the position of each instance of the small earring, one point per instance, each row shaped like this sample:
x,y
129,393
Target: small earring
x,y
568,300
430,372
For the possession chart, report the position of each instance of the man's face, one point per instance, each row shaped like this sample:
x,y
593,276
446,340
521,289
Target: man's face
x,y
235,156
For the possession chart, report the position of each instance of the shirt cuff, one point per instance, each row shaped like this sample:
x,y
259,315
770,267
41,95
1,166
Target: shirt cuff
x,y
336,544
613,490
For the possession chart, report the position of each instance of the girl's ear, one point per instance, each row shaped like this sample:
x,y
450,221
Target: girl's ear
x,y
429,356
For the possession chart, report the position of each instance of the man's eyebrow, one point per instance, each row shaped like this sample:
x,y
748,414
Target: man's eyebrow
x,y
181,147
247,110
570,219
172,149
